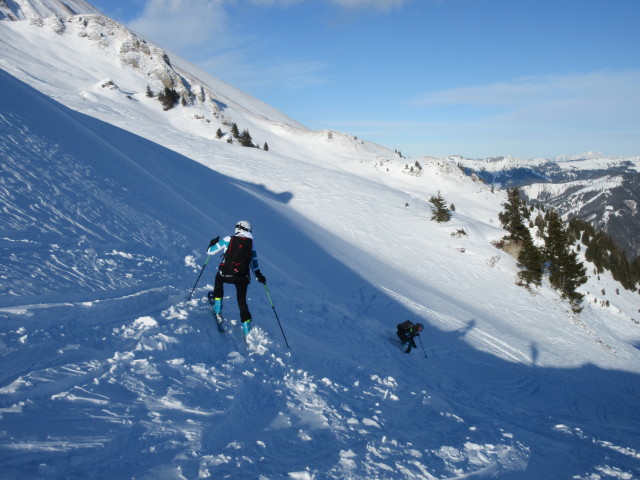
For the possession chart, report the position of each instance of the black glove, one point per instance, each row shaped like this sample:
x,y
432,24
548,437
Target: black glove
x,y
213,242
260,277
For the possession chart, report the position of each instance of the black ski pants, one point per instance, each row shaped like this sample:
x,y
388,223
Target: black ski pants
x,y
242,284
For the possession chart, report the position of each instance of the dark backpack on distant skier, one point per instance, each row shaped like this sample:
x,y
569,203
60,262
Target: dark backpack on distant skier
x,y
404,326
237,259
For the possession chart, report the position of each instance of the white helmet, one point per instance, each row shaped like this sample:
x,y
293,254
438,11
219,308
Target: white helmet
x,y
243,226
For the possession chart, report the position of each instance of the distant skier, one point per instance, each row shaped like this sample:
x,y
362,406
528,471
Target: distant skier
x,y
239,257
407,331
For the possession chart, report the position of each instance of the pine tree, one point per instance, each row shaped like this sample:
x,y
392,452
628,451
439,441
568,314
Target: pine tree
x,y
219,133
512,216
575,275
234,131
635,269
531,260
540,223
439,210
245,139
168,98
566,272
266,147
149,92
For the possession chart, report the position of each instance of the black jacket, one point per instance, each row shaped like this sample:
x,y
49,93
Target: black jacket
x,y
407,336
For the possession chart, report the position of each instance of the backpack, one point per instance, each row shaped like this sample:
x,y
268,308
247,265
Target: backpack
x,y
236,260
404,326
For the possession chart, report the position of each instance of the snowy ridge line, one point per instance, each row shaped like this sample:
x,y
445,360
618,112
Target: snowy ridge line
x,y
22,309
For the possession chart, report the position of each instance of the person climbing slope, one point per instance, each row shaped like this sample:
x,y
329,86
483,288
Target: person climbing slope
x,y
239,258
407,331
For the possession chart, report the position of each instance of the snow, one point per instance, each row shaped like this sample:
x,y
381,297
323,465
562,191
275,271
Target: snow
x,y
108,371
34,9
585,161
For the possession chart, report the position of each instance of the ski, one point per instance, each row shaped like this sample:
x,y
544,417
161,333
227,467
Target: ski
x,y
219,322
398,344
217,316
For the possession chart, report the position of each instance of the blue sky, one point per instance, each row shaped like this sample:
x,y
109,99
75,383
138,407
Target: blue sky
x,y
477,78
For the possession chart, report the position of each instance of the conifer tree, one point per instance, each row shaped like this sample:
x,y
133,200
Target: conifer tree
x,y
439,210
512,216
234,131
168,98
266,147
219,133
540,223
531,260
245,139
566,272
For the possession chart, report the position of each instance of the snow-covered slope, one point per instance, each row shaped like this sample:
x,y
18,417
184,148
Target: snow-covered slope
x,y
108,372
33,9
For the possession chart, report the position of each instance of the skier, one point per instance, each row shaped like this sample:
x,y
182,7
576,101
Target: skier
x,y
407,331
239,257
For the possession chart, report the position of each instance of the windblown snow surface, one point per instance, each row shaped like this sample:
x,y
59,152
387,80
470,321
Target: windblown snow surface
x,y
108,371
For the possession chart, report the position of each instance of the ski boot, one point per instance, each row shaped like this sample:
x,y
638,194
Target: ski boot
x,y
246,327
217,308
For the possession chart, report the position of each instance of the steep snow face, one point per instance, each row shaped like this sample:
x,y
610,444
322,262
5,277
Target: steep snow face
x,y
34,9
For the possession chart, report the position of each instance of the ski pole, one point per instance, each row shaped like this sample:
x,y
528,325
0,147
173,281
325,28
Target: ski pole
x,y
425,352
276,314
194,287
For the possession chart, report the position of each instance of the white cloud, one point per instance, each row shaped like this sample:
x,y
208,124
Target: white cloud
x,y
202,31
377,4
284,74
182,24
529,117
529,91
275,3
590,99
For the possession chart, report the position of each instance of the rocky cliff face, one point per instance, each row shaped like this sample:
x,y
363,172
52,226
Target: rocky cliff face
x,y
129,49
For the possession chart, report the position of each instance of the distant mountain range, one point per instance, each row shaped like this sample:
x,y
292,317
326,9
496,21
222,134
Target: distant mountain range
x,y
602,190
